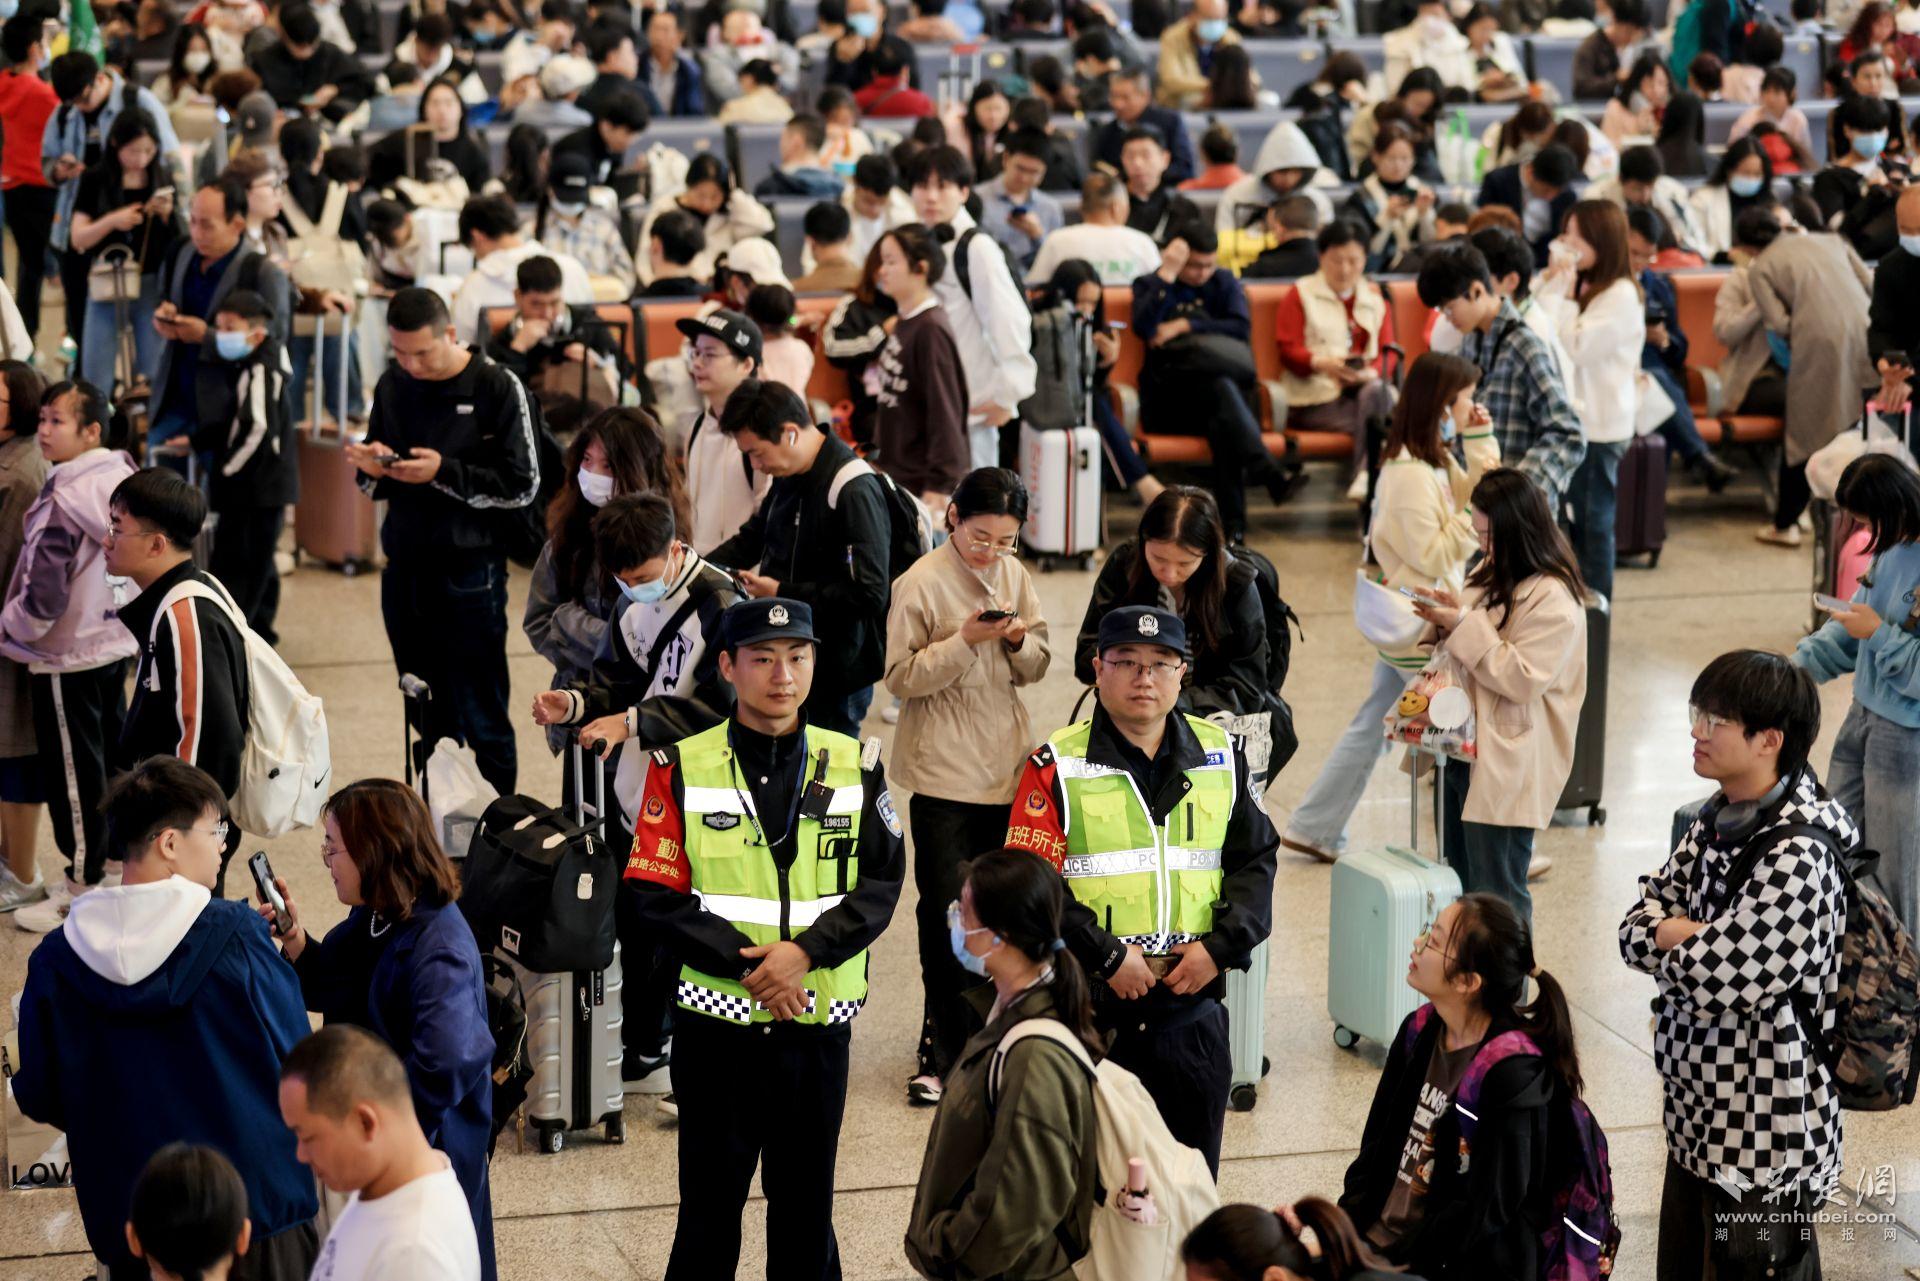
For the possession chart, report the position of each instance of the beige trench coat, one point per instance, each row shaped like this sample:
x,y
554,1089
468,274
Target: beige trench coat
x,y
1813,290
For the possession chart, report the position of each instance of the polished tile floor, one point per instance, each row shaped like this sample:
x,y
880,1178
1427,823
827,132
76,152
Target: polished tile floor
x,y
609,1212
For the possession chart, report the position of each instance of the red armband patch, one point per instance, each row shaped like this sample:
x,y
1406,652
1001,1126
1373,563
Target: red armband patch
x,y
1035,824
659,839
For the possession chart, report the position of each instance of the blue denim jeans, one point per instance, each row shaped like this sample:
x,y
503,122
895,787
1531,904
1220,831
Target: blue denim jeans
x,y
1875,763
842,714
1321,819
1490,859
1594,496
100,340
1681,433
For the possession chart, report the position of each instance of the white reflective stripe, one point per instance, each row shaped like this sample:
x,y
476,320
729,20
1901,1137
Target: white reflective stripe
x,y
713,800
1081,767
1471,1116
1110,863
743,910
1186,860
847,800
1577,1232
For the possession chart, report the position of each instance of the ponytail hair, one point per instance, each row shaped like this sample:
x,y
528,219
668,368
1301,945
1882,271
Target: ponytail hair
x,y
1490,940
1240,1242
1020,897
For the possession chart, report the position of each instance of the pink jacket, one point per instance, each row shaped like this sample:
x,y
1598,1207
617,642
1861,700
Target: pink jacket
x,y
61,614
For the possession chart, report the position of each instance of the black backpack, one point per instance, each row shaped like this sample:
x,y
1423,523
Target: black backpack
x,y
910,529
963,269
1278,613
523,530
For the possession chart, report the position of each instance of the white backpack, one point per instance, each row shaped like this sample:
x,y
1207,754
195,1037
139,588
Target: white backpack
x,y
1127,1124
286,764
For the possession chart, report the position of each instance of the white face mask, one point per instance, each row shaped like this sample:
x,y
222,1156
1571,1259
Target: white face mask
x,y
594,487
196,61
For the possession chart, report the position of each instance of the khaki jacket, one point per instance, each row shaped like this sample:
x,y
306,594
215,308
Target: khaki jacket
x,y
1422,533
1005,1185
1529,679
964,732
1183,86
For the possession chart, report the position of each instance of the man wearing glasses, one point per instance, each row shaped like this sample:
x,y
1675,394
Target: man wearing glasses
x,y
161,979
1169,863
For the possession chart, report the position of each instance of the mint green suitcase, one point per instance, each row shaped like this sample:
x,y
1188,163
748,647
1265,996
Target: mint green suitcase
x,y
1382,900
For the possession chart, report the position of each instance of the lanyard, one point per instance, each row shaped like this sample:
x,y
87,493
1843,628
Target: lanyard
x,y
793,806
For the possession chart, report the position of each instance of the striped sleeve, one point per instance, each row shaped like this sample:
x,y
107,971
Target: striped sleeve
x,y
189,686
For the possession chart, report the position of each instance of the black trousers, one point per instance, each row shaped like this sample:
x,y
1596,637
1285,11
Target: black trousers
x,y
945,835
1765,1240
30,218
771,1095
243,559
75,716
447,623
1186,1064
1219,407
73,283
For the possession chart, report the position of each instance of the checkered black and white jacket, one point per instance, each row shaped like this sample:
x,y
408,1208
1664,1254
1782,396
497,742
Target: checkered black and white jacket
x,y
1747,1101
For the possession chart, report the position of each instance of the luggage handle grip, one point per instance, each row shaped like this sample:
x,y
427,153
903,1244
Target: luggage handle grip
x,y
580,762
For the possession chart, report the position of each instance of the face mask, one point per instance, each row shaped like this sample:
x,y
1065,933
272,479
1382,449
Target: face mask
x,y
644,593
1911,244
232,346
1638,103
569,208
1868,146
957,936
1744,187
195,62
1436,28
864,25
1447,429
594,487
1601,21
8,8
1211,30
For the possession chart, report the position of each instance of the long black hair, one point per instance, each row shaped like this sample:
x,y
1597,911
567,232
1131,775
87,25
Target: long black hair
x,y
524,174
1240,1242
1885,493
641,463
1021,898
1525,541
1187,515
1490,940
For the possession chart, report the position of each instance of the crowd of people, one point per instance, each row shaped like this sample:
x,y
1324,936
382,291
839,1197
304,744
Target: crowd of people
x,y
725,572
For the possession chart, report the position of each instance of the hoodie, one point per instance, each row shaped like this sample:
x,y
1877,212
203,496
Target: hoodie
x,y
492,281
60,608
182,995
1285,147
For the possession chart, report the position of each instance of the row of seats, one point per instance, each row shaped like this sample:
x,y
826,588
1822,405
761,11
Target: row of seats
x,y
654,324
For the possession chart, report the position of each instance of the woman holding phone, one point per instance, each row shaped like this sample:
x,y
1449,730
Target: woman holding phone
x,y
404,966
1421,537
964,634
126,208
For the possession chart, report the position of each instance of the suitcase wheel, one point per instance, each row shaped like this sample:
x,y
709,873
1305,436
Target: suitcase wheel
x,y
552,1138
1344,1037
1596,816
1243,1098
1266,1066
616,1129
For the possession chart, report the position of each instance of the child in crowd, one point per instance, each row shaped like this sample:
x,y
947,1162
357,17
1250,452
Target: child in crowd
x,y
189,1214
395,248
60,620
788,357
1250,1243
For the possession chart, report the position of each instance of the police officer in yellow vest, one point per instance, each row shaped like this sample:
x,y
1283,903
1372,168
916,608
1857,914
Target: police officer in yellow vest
x,y
1149,816
767,858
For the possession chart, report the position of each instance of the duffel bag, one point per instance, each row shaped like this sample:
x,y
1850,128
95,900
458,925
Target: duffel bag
x,y
540,888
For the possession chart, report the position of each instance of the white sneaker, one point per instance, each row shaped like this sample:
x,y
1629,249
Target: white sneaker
x,y
890,714
1357,492
45,916
115,870
1538,866
16,893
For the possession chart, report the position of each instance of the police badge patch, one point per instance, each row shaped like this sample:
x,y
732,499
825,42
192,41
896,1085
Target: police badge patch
x,y
721,822
887,816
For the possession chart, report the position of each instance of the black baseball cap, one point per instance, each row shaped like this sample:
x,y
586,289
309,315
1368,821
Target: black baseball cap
x,y
569,176
1143,625
749,622
741,335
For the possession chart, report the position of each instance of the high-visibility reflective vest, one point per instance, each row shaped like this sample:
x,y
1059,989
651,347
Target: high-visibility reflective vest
x,y
1153,885
734,874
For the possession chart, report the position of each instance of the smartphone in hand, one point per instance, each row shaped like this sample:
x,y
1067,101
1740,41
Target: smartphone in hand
x,y
1832,604
269,892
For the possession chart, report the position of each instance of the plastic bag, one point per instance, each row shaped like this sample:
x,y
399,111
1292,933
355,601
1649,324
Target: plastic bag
x,y
1876,437
1435,712
457,795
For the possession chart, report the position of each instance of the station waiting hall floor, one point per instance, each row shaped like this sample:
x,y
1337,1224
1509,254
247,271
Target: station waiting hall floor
x,y
596,1211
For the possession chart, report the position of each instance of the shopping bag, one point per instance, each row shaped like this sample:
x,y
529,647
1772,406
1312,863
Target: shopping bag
x,y
1435,713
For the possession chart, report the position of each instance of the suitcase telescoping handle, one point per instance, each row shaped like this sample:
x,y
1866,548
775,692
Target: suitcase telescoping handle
x,y
590,757
417,695
1439,802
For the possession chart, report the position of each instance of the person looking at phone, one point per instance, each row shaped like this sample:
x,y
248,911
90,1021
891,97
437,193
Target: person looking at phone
x,y
450,449
1893,322
160,972
964,635
1517,634
126,208
1146,812
404,966
190,689
1876,638
1421,537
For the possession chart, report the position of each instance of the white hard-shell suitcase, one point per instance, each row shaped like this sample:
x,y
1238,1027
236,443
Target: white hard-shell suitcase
x,y
1382,899
1246,1002
1061,470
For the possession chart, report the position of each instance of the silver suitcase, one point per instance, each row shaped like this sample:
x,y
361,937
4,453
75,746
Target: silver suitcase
x,y
573,1026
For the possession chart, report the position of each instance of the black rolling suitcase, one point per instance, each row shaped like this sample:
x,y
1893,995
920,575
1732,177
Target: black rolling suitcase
x,y
1584,784
1640,522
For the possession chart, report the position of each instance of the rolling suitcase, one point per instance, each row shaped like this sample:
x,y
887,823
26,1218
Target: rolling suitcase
x,y
1584,783
1246,1002
334,522
1382,899
1640,523
1061,470
573,1046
